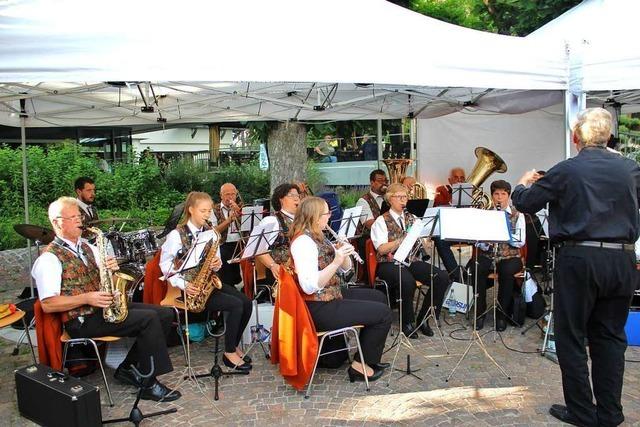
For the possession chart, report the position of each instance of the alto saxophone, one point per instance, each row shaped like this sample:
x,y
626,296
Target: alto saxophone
x,y
206,280
117,311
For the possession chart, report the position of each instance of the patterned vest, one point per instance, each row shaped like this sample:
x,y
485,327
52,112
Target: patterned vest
x,y
331,290
77,278
505,250
280,248
186,238
217,211
394,232
375,211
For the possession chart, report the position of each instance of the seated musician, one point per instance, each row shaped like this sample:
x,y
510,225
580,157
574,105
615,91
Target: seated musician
x,y
197,210
316,262
508,258
68,278
387,233
284,201
226,217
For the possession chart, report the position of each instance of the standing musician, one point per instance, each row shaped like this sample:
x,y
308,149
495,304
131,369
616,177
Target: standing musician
x,y
68,278
316,262
593,216
197,210
387,233
508,259
226,218
285,201
86,194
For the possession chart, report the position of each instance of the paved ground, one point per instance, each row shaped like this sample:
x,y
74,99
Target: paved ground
x,y
477,394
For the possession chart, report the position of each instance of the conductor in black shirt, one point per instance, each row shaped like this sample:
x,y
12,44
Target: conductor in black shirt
x,y
593,218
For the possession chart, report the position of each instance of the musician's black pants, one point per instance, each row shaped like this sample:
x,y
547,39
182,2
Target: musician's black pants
x,y
237,309
149,324
506,269
229,273
448,258
418,270
359,306
593,291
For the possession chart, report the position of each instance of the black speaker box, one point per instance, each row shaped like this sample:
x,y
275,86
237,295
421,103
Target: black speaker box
x,y
51,398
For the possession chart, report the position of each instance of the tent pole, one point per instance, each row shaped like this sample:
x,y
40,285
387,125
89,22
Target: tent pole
x,y
380,144
25,191
573,104
414,147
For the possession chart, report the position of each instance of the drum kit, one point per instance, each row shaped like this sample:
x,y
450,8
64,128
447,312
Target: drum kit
x,y
131,249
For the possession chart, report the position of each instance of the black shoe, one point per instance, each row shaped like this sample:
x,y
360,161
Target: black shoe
x,y
426,329
562,413
127,376
501,325
479,323
410,331
158,391
229,364
247,359
380,366
357,376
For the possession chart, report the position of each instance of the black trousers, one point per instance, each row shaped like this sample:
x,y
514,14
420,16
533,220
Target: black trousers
x,y
448,258
593,291
237,310
149,324
359,306
506,269
418,270
229,273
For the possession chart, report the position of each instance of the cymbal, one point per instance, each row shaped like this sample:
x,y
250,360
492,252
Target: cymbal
x,y
35,232
111,220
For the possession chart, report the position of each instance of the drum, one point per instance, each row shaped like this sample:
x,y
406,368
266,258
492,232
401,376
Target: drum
x,y
117,247
141,244
134,290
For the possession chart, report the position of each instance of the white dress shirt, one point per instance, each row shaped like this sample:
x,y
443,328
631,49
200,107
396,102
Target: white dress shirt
x,y
366,209
47,269
379,231
304,252
232,230
170,249
85,207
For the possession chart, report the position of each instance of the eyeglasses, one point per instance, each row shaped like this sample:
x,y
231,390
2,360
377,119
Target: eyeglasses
x,y
400,196
72,217
293,196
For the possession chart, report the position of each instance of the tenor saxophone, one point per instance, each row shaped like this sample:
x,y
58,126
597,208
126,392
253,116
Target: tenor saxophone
x,y
116,312
206,280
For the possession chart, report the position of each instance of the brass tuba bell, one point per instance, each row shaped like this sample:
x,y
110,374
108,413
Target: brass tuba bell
x,y
487,163
397,168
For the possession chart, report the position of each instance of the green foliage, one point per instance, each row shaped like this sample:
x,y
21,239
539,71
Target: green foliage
x,y
458,12
349,197
315,177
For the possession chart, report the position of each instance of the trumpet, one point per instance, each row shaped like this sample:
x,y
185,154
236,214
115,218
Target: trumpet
x,y
343,240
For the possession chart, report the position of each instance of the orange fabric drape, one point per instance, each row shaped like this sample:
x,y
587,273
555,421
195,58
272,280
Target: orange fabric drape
x,y
247,277
294,342
48,332
154,289
372,262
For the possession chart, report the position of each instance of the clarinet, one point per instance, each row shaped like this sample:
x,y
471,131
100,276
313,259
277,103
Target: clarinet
x,y
339,239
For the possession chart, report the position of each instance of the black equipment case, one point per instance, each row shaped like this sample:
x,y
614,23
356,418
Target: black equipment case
x,y
51,398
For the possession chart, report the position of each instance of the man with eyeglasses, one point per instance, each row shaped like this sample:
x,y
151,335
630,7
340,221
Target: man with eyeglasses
x,y
67,275
226,217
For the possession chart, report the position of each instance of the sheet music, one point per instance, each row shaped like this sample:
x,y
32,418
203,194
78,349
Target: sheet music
x,y
430,229
474,225
251,216
350,219
257,244
410,239
197,253
543,216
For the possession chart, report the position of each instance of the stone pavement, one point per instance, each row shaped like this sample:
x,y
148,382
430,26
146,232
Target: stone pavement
x,y
477,394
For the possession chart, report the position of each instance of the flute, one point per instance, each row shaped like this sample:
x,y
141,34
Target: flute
x,y
339,239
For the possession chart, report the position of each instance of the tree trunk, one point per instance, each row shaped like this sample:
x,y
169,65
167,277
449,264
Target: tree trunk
x,y
287,153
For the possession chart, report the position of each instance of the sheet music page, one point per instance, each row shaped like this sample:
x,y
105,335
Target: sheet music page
x,y
251,217
410,239
430,218
543,216
257,245
350,219
198,252
433,212
474,225
462,194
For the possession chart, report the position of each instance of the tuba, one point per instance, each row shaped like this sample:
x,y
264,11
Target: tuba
x,y
206,280
117,312
487,163
418,191
397,168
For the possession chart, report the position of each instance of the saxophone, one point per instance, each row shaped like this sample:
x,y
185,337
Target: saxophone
x,y
117,311
206,280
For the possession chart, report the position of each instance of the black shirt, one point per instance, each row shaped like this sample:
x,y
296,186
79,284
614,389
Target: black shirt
x,y
593,196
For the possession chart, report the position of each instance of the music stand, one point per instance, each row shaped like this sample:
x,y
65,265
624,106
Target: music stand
x,y
462,195
351,217
399,257
474,225
261,238
188,373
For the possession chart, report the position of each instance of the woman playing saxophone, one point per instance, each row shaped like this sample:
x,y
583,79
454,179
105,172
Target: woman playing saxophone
x,y
197,210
